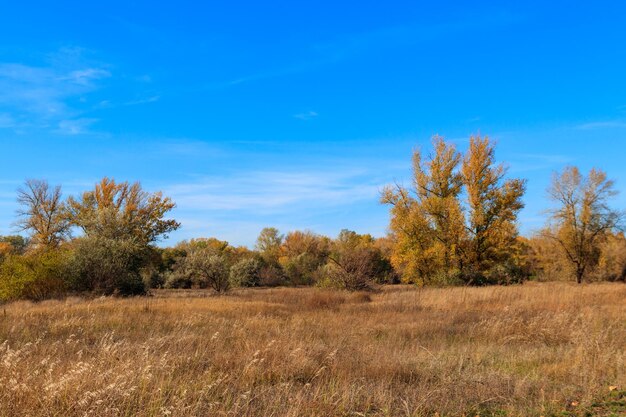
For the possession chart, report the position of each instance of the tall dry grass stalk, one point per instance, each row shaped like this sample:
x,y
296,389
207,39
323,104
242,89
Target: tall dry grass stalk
x,y
549,349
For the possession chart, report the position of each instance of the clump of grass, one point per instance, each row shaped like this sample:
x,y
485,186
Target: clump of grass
x,y
361,297
323,299
547,349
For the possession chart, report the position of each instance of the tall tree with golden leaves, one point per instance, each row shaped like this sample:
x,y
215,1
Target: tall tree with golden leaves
x,y
427,222
438,186
412,253
435,234
42,213
582,218
121,211
493,204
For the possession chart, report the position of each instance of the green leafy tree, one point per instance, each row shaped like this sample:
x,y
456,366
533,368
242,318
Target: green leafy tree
x,y
268,244
103,265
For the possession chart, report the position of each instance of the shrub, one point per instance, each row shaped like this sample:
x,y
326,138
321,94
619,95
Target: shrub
x,y
321,299
506,273
301,269
205,269
34,276
271,275
109,266
352,268
152,278
177,280
246,273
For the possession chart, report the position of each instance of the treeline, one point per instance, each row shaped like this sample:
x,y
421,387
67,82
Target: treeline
x,y
300,258
457,224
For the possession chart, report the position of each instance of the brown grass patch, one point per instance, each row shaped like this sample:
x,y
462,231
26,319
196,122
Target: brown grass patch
x,y
521,351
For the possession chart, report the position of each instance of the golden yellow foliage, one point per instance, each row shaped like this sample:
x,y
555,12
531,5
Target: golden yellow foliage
x,y
434,240
122,210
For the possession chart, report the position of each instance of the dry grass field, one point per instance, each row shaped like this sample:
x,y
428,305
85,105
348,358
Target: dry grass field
x,y
532,350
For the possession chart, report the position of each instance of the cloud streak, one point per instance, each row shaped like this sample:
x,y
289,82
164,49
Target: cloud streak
x,y
605,124
56,95
39,96
308,115
272,192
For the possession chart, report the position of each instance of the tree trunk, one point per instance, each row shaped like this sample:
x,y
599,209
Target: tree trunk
x,y
579,275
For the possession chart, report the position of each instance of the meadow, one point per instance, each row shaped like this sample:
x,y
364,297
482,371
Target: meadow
x,y
551,349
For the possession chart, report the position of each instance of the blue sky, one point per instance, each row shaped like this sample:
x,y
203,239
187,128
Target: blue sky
x,y
295,115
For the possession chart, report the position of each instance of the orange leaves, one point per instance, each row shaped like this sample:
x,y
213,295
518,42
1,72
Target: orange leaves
x,y
122,210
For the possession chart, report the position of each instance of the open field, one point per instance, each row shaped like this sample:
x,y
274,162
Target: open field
x,y
549,349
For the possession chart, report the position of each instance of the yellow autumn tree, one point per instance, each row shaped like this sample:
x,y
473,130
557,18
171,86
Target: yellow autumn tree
x,y
42,213
122,210
582,218
302,254
439,238
493,204
427,222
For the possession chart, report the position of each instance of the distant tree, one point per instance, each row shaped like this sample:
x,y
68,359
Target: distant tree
x,y
583,217
42,213
302,254
547,261
493,205
354,261
122,211
221,247
13,244
268,244
612,261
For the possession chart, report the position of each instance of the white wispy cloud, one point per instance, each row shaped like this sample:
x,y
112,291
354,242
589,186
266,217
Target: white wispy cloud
x,y
58,93
86,76
308,115
273,191
150,99
236,207
109,104
40,96
603,124
76,126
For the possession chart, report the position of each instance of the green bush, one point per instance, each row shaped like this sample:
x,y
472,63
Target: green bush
x,y
205,268
109,266
302,269
152,277
176,279
34,276
246,273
